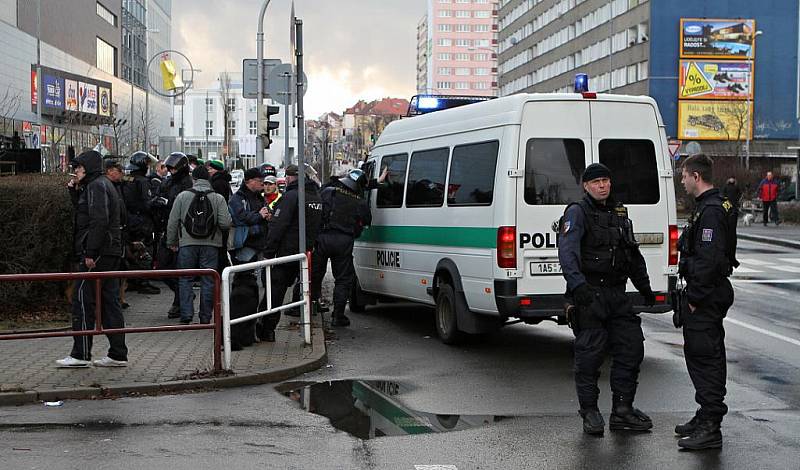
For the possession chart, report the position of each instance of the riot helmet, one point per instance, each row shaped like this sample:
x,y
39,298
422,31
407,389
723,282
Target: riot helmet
x,y
139,161
177,160
355,180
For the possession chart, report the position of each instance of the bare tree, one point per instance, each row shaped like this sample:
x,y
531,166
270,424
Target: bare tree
x,y
227,111
10,102
736,125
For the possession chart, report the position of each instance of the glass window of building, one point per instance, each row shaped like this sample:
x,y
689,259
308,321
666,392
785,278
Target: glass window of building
x,y
232,105
209,105
104,13
209,128
106,57
463,14
251,127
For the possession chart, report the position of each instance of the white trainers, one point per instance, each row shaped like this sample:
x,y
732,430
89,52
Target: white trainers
x,y
108,362
71,362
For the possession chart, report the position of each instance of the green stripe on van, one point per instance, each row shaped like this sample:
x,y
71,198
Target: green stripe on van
x,y
467,237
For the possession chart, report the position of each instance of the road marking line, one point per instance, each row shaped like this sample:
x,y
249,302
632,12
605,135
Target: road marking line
x,y
765,281
743,270
763,331
788,269
791,260
756,262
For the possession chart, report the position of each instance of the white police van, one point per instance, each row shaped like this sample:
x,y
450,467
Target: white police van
x,y
467,219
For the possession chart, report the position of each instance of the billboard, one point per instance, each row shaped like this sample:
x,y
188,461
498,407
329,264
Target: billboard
x,y
71,95
724,39
53,91
714,120
88,97
716,79
104,101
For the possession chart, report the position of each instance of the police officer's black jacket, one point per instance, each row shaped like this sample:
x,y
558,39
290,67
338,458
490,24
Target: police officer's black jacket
x,y
244,208
596,242
282,239
708,246
344,211
179,182
138,195
97,214
221,184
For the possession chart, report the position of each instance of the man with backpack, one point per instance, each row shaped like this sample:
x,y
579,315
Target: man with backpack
x,y
196,224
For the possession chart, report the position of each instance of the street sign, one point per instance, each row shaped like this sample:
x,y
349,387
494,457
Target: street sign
x,y
277,88
250,76
674,147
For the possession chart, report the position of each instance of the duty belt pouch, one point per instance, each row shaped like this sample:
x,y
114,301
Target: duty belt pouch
x,y
679,305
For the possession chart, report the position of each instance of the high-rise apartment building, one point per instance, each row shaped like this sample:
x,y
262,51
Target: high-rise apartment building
x,y
635,47
457,48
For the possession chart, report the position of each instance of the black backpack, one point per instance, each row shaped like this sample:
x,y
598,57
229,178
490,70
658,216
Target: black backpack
x,y
200,220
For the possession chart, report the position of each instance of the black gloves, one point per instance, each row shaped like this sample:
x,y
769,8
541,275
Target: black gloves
x,y
585,294
649,297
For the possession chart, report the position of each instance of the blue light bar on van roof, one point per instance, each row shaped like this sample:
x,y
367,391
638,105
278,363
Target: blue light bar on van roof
x,y
581,83
424,104
428,102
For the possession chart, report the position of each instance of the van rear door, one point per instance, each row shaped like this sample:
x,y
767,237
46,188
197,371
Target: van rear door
x,y
555,146
626,137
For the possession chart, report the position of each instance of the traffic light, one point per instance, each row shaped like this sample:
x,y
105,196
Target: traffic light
x,y
271,125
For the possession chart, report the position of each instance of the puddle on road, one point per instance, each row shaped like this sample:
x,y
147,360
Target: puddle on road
x,y
371,408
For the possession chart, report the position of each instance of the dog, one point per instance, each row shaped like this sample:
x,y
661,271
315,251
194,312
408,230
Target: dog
x,y
244,302
747,220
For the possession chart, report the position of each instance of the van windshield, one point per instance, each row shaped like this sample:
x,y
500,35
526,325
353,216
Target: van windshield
x,y
633,168
553,169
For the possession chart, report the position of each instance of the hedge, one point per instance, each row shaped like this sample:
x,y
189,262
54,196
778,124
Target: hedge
x,y
36,218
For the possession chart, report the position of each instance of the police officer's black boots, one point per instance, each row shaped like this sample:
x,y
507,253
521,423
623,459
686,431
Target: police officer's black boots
x,y
625,417
339,318
593,422
687,428
706,435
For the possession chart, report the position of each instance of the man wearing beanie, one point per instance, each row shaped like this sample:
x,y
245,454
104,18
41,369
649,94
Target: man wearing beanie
x,y
598,254
196,249
220,178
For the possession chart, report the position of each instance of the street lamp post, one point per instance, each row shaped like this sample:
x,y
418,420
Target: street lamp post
x,y
260,65
750,93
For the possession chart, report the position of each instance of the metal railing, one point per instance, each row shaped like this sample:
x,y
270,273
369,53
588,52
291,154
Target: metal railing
x,y
304,303
98,328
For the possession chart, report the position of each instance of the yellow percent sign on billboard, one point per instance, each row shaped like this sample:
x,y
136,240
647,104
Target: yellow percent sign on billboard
x,y
715,120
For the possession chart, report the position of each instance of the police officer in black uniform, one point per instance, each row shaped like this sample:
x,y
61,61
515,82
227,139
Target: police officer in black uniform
x,y
708,256
179,180
283,239
345,213
138,197
598,254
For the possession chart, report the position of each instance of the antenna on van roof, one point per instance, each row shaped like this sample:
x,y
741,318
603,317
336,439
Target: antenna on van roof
x,y
424,104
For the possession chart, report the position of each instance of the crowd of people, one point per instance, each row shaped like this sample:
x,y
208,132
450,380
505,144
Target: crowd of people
x,y
181,213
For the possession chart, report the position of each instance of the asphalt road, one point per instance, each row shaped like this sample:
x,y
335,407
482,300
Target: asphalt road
x,y
523,373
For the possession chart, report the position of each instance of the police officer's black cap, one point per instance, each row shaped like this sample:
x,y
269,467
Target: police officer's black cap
x,y
594,171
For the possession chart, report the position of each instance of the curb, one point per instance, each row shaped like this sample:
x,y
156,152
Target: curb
x,y
255,378
769,240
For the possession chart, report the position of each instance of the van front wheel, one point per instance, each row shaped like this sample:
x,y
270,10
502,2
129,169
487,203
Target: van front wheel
x,y
446,323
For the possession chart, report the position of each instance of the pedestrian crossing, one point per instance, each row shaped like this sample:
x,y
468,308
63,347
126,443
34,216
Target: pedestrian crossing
x,y
770,265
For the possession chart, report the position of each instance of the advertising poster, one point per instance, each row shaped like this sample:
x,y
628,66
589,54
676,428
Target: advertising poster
x,y
720,79
104,108
34,91
714,120
724,39
71,95
53,88
88,97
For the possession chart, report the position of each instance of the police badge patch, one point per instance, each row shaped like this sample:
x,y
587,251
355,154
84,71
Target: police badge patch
x,y
708,234
567,225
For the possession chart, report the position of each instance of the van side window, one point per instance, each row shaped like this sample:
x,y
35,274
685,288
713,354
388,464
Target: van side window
x,y
553,170
634,170
472,169
426,178
390,193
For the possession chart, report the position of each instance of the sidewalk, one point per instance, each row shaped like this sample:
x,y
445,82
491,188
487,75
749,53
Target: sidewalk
x,y
157,362
787,235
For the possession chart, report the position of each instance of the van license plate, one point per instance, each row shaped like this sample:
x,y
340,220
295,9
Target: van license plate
x,y
545,268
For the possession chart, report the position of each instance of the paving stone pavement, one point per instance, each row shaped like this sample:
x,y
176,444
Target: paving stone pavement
x,y
154,358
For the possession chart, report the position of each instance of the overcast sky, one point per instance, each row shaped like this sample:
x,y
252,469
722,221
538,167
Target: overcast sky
x,y
354,49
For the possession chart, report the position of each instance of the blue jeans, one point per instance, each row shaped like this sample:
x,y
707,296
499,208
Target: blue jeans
x,y
197,257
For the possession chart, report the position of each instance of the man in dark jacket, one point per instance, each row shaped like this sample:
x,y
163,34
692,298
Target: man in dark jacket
x,y
138,197
179,180
345,213
732,192
98,247
283,240
247,210
220,179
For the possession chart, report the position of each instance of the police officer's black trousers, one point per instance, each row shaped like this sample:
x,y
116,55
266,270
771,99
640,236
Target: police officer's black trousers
x,y
704,350
338,248
83,314
282,277
608,325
